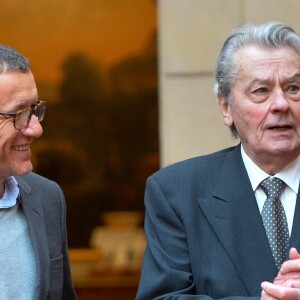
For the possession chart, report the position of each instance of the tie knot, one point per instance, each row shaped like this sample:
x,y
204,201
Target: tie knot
x,y
272,186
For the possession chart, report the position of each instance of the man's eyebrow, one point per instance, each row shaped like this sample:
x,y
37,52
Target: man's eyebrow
x,y
260,81
19,105
295,77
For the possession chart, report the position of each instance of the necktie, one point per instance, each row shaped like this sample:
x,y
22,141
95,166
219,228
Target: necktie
x,y
274,219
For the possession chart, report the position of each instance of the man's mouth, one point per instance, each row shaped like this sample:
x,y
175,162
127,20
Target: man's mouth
x,y
280,128
22,148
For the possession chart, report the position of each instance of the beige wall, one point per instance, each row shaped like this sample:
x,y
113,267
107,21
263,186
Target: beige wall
x,y
190,35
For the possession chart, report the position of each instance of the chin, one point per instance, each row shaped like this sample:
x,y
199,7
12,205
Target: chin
x,y
23,170
285,151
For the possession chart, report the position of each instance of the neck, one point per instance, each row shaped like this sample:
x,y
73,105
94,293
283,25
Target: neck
x,y
272,163
275,165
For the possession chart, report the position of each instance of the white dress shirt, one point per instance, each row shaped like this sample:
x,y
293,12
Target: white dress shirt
x,y
11,192
290,175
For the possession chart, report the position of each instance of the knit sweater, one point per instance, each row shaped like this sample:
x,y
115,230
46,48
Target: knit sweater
x,y
18,276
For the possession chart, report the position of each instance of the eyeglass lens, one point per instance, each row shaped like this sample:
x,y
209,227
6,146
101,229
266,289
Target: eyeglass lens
x,y
23,118
39,111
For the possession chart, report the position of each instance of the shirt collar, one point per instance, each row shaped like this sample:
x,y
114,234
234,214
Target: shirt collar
x,y
290,174
11,192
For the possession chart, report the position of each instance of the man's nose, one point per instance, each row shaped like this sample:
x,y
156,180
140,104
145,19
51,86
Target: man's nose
x,y
34,128
280,101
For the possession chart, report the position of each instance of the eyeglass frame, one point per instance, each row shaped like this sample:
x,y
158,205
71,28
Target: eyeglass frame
x,y
31,112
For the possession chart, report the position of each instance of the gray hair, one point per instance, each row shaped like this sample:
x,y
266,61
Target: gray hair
x,y
12,61
268,36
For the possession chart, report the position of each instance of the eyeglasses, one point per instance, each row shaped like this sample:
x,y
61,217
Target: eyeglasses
x,y
21,118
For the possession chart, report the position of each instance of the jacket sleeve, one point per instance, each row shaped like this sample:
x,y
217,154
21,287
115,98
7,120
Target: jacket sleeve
x,y
166,270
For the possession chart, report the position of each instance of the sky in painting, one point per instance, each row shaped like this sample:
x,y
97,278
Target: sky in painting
x,y
47,31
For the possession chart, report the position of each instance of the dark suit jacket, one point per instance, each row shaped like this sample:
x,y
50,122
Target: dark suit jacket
x,y
205,234
44,207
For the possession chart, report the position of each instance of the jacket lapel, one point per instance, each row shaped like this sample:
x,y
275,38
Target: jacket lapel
x,y
36,223
234,215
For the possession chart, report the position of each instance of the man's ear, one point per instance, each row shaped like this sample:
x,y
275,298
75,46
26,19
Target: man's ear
x,y
226,111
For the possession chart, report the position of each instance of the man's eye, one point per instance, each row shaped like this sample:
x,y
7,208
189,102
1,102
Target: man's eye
x,y
261,90
293,88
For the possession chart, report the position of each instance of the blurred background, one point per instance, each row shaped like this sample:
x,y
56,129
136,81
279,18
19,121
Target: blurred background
x,y
95,63
128,85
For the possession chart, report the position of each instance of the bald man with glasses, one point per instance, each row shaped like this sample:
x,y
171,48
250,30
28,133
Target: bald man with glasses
x,y
34,261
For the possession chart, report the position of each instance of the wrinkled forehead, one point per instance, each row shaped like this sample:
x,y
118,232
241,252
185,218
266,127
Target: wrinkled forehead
x,y
263,61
